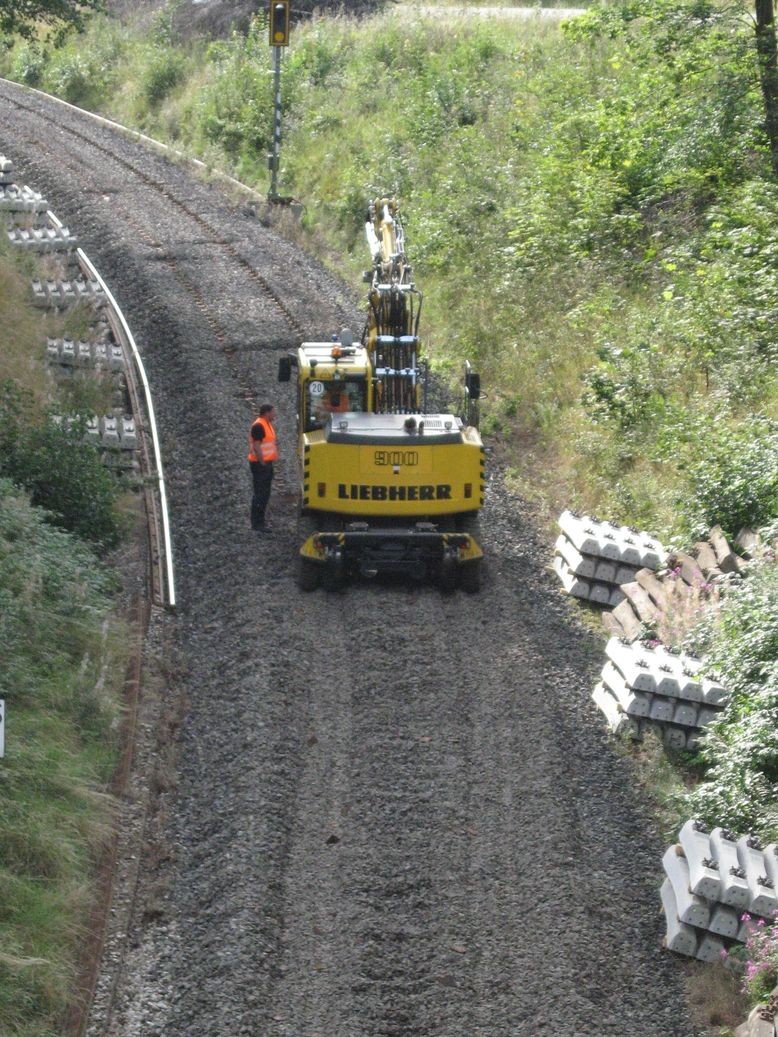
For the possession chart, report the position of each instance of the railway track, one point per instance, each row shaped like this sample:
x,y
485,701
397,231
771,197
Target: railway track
x,y
386,812
159,592
135,170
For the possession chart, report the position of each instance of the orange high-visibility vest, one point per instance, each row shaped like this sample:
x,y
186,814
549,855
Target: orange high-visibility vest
x,y
268,448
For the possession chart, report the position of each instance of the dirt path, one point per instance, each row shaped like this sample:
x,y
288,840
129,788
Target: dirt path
x,y
397,812
484,11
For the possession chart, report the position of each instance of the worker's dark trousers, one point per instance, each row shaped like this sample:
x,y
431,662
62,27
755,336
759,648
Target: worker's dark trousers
x,y
262,476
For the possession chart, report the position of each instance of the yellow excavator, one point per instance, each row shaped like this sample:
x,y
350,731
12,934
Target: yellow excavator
x,y
385,486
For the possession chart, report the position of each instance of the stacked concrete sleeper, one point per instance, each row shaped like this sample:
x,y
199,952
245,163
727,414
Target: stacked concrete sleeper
x,y
647,686
115,434
593,559
713,880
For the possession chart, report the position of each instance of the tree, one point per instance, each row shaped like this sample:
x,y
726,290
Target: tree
x,y
20,17
701,38
768,73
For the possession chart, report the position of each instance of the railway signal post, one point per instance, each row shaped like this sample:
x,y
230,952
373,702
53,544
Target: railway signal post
x,y
279,37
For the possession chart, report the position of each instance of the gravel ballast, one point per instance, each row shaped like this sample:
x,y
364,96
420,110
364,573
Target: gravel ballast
x,y
397,812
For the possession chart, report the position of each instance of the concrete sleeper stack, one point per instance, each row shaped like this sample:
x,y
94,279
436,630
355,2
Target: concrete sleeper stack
x,y
593,559
718,887
646,686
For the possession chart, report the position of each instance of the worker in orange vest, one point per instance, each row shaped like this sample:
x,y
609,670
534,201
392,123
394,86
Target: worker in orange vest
x,y
336,401
263,451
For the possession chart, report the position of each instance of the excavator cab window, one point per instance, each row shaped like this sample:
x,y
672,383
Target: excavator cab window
x,y
325,398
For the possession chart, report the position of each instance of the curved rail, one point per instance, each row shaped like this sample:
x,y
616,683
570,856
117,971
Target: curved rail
x,y
157,145
163,577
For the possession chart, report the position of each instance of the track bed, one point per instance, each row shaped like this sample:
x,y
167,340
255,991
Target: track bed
x,y
397,813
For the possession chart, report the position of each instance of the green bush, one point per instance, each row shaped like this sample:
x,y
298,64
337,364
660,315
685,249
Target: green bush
x,y
72,78
234,108
163,72
62,473
734,480
740,640
30,64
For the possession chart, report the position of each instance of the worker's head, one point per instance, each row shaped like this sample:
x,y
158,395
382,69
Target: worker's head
x,y
267,411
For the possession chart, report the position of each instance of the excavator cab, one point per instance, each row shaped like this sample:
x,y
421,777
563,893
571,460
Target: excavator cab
x,y
325,400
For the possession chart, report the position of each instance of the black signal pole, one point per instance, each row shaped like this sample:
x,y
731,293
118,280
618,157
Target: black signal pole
x,y
279,37
276,155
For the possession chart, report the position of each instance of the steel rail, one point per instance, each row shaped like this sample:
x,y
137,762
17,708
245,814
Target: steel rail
x,y
156,145
166,582
164,191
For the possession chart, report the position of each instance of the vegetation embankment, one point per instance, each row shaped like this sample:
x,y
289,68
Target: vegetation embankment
x,y
740,641
63,661
592,215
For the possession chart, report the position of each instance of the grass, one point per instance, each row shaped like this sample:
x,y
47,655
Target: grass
x,y
64,656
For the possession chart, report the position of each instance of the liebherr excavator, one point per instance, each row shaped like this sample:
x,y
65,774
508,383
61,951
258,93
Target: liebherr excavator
x,y
385,486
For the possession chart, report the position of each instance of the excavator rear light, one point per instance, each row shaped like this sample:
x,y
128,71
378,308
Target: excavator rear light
x,y
468,490
322,489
